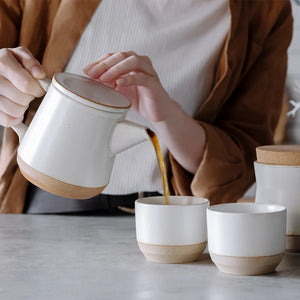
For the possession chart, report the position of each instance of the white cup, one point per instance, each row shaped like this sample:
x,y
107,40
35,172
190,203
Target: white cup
x,y
174,233
280,184
246,238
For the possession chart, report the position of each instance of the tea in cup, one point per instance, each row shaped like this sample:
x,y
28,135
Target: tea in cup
x,y
173,233
246,238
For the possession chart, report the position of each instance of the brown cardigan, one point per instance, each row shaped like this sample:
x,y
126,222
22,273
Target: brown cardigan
x,y
241,112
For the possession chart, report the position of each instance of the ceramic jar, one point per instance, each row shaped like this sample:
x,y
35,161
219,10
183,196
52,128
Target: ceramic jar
x,y
277,172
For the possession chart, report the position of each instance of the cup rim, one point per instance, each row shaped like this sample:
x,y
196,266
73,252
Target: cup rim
x,y
215,208
201,200
275,166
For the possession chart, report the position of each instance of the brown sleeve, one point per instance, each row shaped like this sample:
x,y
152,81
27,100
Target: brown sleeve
x,y
42,27
10,22
247,119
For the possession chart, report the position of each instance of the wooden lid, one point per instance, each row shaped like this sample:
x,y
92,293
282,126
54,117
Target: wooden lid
x,y
90,90
279,155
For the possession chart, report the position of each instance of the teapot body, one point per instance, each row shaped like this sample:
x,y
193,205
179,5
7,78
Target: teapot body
x,y
66,148
70,145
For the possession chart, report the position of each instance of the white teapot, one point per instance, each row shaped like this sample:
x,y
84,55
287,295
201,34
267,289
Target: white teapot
x,y
70,145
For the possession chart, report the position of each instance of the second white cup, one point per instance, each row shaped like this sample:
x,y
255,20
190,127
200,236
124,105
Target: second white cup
x,y
246,238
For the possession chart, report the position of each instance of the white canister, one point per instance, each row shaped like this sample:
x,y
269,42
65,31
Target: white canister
x,y
277,172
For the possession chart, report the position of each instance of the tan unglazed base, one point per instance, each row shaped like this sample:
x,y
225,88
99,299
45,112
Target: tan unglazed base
x,y
172,254
55,186
293,243
246,265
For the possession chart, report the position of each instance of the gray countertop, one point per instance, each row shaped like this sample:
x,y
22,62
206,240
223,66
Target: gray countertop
x,y
97,257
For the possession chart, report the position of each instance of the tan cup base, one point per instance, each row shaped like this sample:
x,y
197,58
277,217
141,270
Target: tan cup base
x,y
293,243
55,186
172,254
246,265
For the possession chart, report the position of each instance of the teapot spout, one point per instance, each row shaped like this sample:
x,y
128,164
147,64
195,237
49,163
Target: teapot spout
x,y
125,135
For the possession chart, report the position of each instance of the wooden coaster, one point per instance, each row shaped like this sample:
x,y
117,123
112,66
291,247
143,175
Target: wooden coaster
x,y
279,155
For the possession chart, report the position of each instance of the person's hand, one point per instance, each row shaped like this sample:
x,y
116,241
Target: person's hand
x,y
19,72
134,77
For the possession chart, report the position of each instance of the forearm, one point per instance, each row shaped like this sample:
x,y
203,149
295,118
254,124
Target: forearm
x,y
183,136
134,77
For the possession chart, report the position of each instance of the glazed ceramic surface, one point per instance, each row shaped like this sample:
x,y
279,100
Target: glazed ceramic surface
x,y
246,229
279,184
182,222
173,233
77,131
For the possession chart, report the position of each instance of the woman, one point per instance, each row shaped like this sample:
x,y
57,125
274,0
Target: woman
x,y
232,56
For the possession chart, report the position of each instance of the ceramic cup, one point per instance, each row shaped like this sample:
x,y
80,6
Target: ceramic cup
x,y
246,238
280,184
174,233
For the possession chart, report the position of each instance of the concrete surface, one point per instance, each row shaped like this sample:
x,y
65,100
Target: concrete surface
x,y
97,257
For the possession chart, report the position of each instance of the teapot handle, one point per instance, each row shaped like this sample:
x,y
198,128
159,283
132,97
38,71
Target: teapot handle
x,y
21,128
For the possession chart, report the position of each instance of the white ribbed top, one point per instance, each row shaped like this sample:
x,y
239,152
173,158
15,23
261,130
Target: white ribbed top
x,y
183,39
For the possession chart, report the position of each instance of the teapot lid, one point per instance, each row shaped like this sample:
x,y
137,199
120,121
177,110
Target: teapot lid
x,y
279,155
90,90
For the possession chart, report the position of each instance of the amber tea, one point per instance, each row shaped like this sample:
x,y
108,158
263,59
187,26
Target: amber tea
x,y
161,164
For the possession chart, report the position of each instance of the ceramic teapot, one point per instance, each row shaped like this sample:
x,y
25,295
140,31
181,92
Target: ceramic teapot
x,y
69,147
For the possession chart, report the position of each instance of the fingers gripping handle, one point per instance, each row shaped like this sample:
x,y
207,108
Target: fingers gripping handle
x,y
21,128
45,83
